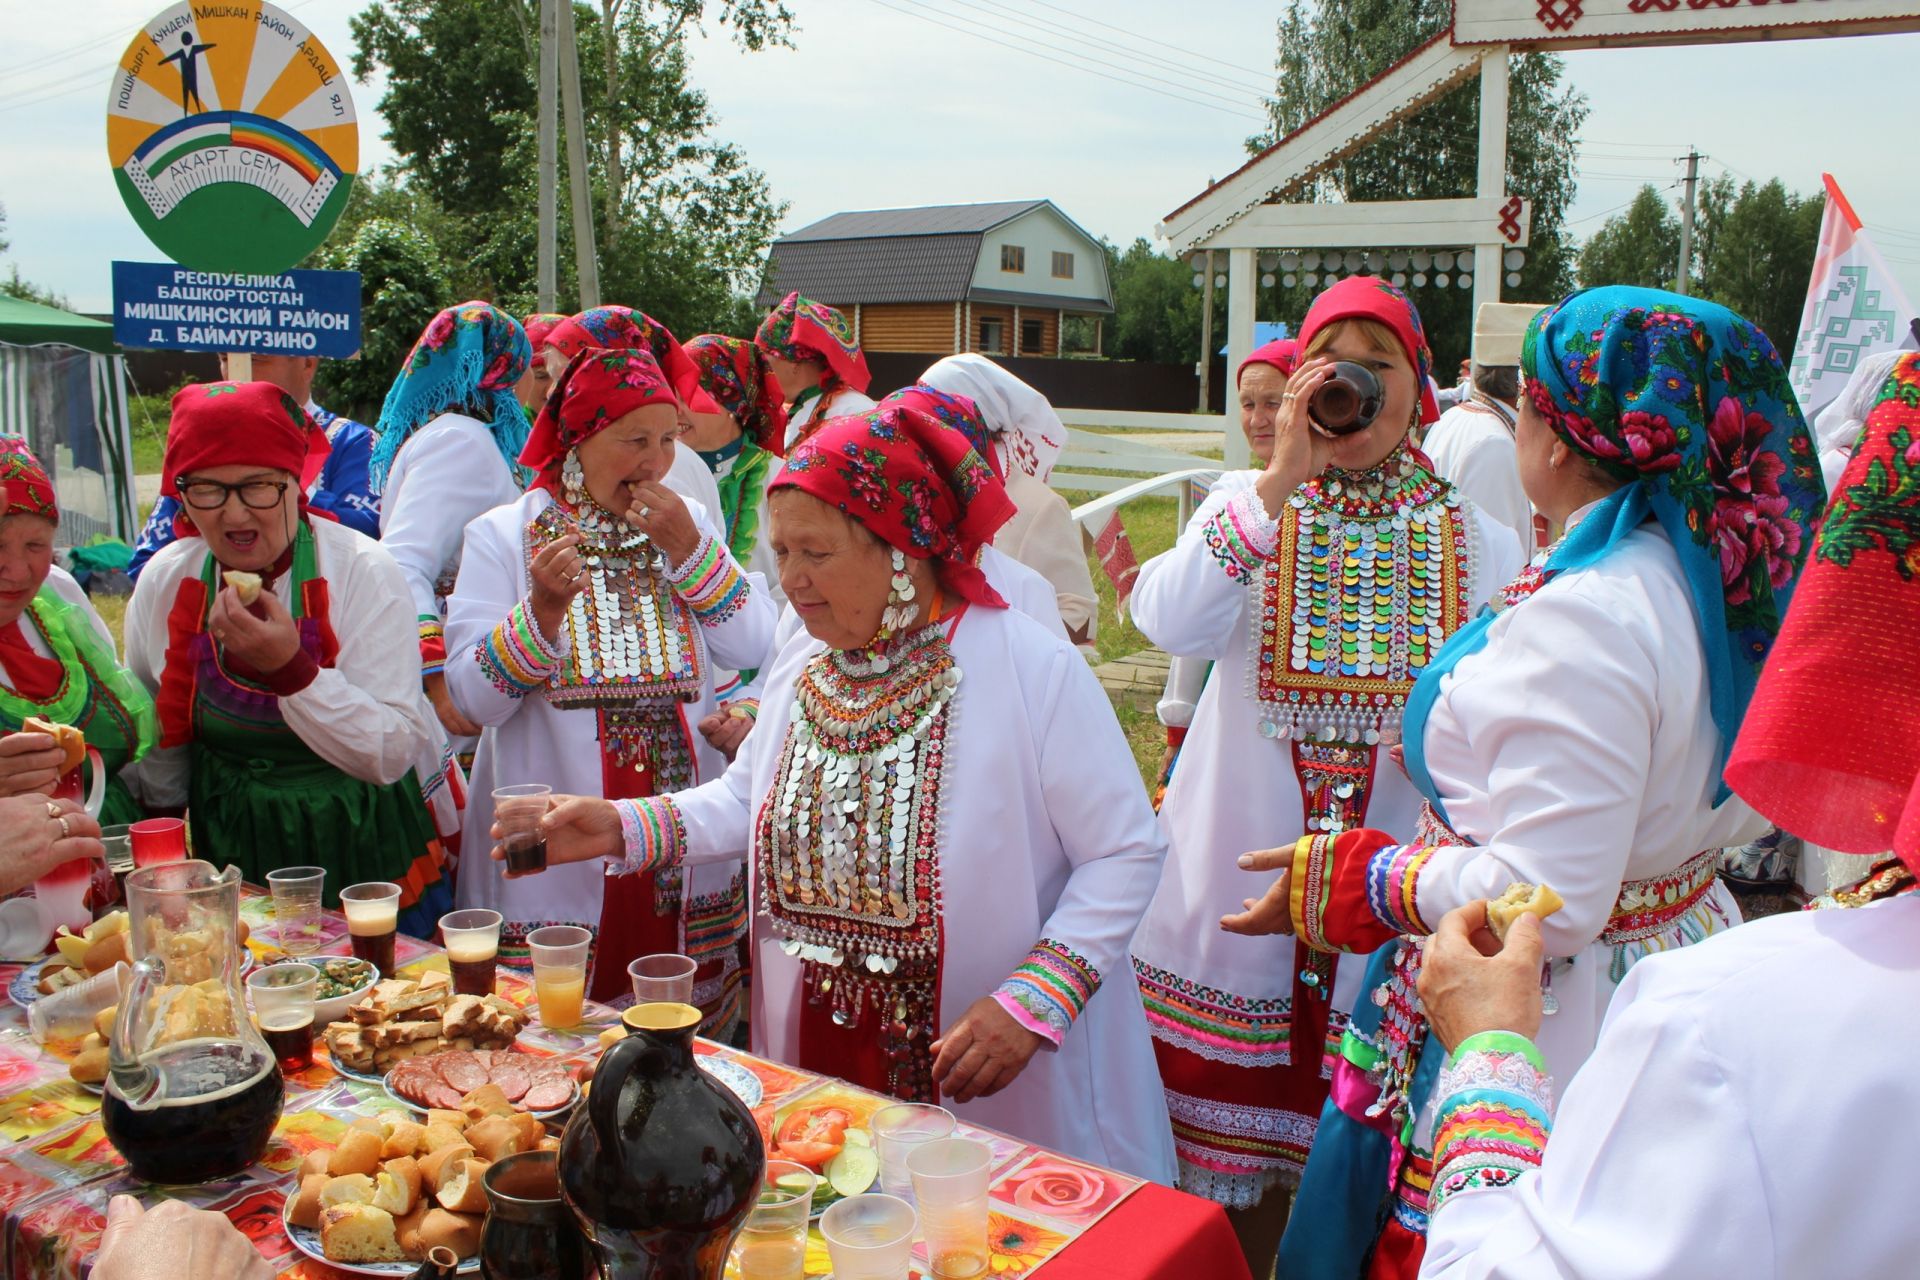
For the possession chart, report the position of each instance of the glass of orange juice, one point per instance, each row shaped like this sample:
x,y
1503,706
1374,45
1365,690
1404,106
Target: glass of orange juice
x,y
559,953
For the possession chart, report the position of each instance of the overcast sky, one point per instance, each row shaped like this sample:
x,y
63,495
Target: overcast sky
x,y
901,102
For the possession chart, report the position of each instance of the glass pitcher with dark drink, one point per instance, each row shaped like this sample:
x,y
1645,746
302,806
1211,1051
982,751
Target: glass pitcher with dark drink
x,y
192,1091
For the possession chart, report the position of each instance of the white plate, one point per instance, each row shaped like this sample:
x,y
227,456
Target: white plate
x,y
573,1098
745,1085
307,1241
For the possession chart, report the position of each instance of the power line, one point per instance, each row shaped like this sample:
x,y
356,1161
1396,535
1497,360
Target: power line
x,y
1092,71
1128,70
1263,84
1157,45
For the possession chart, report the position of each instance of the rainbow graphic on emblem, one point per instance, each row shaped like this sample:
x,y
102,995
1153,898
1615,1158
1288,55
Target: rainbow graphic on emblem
x,y
232,146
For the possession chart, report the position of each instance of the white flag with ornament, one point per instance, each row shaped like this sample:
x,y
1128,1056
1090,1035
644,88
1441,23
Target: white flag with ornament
x,y
1854,308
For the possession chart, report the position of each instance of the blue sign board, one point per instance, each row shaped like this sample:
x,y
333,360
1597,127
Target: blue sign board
x,y
165,307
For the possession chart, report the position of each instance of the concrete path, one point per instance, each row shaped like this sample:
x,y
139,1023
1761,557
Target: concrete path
x,y
1137,679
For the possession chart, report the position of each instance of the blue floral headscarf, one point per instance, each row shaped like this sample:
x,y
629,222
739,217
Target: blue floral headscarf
x,y
1689,403
467,358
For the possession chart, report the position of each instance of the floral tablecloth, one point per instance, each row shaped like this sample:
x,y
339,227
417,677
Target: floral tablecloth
x,y
57,1169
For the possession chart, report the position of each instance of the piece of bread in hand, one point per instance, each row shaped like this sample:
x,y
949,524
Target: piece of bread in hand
x,y
65,737
1521,900
245,585
358,1233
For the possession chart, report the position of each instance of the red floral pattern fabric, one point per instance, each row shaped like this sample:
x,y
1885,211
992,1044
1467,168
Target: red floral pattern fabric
x,y
802,329
1371,298
624,329
25,489
734,372
596,389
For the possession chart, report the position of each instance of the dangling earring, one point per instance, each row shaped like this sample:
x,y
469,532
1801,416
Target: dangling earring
x,y
899,611
573,478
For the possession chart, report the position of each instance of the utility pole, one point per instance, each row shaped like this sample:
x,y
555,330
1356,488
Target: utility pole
x,y
1686,223
549,135
1206,337
586,261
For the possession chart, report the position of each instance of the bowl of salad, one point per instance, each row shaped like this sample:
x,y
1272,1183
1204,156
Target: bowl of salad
x,y
826,1140
343,981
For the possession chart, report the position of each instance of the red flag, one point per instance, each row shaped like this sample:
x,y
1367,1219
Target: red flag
x,y
1115,550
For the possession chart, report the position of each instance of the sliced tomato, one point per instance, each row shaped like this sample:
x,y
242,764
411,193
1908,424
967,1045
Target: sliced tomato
x,y
815,1155
816,1124
763,1117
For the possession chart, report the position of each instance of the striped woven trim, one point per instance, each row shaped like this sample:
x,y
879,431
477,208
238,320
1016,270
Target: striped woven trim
x,y
652,834
710,582
1048,992
433,646
1494,1118
1242,536
515,656
1393,887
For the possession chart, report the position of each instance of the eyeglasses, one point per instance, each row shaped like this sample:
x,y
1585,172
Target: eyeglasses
x,y
211,495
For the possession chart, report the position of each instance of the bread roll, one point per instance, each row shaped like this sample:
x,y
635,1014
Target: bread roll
x,y
439,1135
530,1130
368,1124
358,1152
103,1022
391,1194
105,954
494,1138
488,1100
65,737
406,1169
438,1115
435,1167
406,1229
89,1066
548,1143
460,1188
358,1233
405,1138
459,1232
305,1210
1521,900
315,1162
245,585
352,1188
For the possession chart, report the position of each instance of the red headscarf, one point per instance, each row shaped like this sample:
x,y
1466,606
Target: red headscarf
x,y
624,329
734,372
921,487
596,389
1283,354
1830,748
1371,298
802,329
252,424
540,326
25,489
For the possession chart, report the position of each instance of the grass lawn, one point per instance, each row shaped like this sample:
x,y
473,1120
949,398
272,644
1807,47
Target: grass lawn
x,y
147,422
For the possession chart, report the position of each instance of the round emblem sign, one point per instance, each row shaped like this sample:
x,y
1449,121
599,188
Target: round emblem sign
x,y
232,136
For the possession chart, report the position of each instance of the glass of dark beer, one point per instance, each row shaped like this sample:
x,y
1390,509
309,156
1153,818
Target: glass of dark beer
x,y
472,940
517,811
373,917
282,997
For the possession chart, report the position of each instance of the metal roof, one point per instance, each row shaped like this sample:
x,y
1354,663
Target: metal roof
x,y
922,268
928,220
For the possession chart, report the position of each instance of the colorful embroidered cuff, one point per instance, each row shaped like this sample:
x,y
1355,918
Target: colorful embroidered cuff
x,y
1393,883
652,834
433,646
1495,1115
1243,536
515,656
710,582
1047,993
1327,896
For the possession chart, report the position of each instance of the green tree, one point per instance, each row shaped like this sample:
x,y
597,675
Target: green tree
x,y
401,287
1156,309
1329,49
1762,255
1640,246
682,220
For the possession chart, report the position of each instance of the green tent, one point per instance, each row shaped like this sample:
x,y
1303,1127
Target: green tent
x,y
63,386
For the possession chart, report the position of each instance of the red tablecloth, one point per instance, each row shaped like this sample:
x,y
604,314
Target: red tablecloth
x,y
1155,1234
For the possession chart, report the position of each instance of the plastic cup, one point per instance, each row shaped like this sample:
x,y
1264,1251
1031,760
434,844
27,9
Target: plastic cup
x,y
559,955
158,840
662,979
25,929
70,1011
472,940
297,920
870,1237
373,917
518,809
950,1184
773,1243
283,1007
896,1131
63,894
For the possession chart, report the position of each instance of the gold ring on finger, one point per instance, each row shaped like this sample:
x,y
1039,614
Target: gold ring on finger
x,y
66,832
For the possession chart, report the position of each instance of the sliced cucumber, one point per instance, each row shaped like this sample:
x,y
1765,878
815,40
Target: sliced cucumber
x,y
857,1138
795,1184
853,1170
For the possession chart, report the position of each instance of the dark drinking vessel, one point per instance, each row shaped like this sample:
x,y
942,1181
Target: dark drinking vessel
x,y
529,1235
471,977
526,851
229,1101
291,1040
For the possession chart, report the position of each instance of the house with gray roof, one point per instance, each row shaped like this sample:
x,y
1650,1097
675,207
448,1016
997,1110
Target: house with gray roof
x,y
1013,278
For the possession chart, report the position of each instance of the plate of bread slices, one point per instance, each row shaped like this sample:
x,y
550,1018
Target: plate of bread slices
x,y
76,957
397,1185
405,1018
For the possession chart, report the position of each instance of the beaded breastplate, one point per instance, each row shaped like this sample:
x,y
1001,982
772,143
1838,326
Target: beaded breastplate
x,y
849,841
1369,578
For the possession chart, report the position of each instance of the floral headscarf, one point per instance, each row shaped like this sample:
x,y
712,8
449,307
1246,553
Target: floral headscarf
x,y
802,329
468,358
25,488
540,326
624,329
1848,652
734,372
1371,298
1690,403
1282,353
920,487
248,424
1026,432
596,389
956,413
